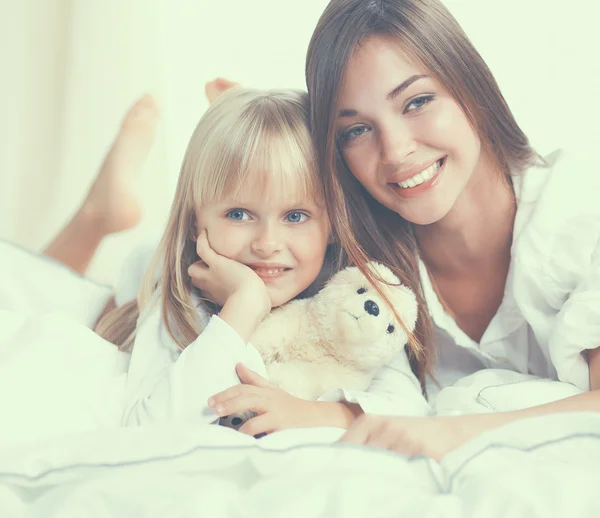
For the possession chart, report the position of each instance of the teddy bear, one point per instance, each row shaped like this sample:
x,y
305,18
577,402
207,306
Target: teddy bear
x,y
335,339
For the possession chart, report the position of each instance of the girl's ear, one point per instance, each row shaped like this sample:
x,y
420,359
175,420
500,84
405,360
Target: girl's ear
x,y
194,229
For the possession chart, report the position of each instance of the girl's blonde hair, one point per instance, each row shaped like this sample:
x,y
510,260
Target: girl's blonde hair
x,y
427,32
246,136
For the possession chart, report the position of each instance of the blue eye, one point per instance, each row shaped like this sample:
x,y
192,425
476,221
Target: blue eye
x,y
353,133
238,215
419,103
296,217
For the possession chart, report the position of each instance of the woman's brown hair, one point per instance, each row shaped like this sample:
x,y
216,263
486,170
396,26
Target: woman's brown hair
x,y
428,34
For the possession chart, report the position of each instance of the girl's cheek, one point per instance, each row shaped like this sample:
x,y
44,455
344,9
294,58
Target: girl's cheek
x,y
228,242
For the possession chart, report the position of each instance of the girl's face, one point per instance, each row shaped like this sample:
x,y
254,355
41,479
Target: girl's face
x,y
281,238
403,135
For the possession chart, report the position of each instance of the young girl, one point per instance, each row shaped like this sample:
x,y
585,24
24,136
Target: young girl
x,y
424,161
248,224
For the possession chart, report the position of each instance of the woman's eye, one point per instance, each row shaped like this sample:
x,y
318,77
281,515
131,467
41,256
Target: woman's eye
x,y
353,133
390,329
238,215
418,103
296,217
360,291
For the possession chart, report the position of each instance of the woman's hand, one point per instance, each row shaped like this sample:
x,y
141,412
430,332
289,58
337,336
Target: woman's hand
x,y
276,409
412,436
234,286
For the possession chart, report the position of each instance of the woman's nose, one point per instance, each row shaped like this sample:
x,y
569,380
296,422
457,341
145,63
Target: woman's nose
x,y
396,143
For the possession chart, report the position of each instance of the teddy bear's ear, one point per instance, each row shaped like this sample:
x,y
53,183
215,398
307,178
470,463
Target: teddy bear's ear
x,y
379,270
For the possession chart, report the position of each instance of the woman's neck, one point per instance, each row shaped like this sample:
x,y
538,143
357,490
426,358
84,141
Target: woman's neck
x,y
476,233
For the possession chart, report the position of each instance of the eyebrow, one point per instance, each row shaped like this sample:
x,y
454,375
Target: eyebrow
x,y
392,95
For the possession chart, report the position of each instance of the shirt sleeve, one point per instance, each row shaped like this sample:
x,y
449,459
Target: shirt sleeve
x,y
394,390
577,326
164,384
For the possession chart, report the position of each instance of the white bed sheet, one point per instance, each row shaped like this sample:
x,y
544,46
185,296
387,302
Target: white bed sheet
x,y
63,452
542,467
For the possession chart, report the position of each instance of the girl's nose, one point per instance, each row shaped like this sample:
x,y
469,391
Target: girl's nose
x,y
267,242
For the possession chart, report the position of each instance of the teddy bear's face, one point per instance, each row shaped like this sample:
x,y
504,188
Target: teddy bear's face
x,y
357,315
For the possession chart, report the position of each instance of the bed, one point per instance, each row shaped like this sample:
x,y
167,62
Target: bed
x,y
63,453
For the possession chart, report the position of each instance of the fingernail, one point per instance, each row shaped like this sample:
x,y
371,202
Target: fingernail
x,y
219,409
211,402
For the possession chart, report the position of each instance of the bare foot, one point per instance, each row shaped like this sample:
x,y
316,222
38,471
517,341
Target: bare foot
x,y
216,87
111,202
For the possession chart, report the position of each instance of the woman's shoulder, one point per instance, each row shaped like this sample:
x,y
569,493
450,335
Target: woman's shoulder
x,y
565,182
558,222
560,195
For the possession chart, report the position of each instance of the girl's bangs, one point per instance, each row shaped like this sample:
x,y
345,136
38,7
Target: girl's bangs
x,y
265,146
280,167
277,163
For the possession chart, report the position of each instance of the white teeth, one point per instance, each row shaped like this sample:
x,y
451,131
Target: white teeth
x,y
270,271
421,177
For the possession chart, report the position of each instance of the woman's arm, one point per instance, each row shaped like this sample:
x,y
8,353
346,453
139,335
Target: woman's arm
x,y
437,436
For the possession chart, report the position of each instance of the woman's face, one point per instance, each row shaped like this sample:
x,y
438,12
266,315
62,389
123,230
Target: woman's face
x,y
402,135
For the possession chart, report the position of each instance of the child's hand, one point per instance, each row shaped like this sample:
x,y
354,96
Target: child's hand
x,y
232,285
219,277
276,409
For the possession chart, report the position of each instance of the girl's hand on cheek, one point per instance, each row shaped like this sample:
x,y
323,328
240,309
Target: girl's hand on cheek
x,y
220,278
241,293
276,409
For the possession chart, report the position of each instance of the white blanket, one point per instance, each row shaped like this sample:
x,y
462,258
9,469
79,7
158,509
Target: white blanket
x,y
542,467
63,452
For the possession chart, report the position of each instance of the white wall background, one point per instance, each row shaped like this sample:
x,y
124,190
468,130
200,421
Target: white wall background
x,y
70,68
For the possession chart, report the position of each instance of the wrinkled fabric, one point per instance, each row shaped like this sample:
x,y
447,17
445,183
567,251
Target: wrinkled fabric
x,y
550,313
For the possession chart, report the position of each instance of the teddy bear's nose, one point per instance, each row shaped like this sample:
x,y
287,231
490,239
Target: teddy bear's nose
x,y
371,308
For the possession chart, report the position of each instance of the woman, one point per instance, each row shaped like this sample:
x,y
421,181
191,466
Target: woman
x,y
425,165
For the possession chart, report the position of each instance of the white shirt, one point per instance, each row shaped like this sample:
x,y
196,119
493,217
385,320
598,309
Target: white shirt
x,y
550,312
166,384
549,315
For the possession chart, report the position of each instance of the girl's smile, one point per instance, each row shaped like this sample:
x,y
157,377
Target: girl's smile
x,y
283,240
